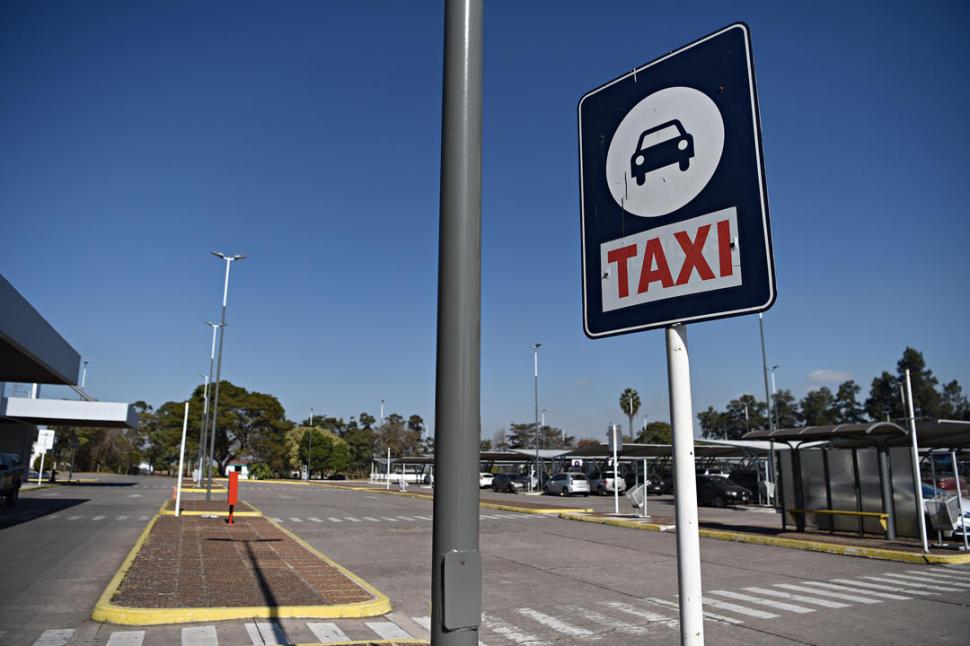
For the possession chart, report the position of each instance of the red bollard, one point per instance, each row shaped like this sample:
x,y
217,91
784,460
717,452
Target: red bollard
x,y
233,492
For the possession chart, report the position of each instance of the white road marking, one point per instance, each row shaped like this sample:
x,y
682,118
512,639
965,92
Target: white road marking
x,y
53,517
556,624
75,517
388,630
352,519
407,518
510,632
276,520
314,519
328,633
336,520
371,519
912,584
393,520
831,589
98,517
143,518
741,610
424,517
424,622
55,637
710,615
642,613
612,622
121,518
825,603
948,576
777,605
295,520
200,636
488,517
127,638
885,588
134,495
910,577
265,632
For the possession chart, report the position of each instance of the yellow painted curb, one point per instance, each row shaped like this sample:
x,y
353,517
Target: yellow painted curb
x,y
791,543
109,612
238,514
365,641
198,490
535,510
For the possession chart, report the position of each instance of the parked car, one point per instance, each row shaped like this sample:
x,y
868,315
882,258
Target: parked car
x,y
655,485
11,477
510,482
602,483
720,492
567,484
485,480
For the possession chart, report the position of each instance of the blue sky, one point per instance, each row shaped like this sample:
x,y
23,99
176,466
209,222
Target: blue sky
x,y
140,136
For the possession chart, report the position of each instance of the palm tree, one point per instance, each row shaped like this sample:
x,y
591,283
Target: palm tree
x,y
630,404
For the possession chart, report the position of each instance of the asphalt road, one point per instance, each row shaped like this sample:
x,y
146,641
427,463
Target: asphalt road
x,y
546,580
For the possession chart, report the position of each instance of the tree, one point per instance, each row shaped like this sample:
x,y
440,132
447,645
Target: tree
x,y
587,441
499,441
401,438
817,407
521,436
656,433
786,409
953,403
884,401
711,422
630,405
847,408
743,414
926,400
485,445
360,445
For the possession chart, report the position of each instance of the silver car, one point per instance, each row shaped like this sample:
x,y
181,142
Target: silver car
x,y
603,483
567,484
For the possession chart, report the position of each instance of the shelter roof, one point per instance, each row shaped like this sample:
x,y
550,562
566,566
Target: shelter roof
x,y
940,433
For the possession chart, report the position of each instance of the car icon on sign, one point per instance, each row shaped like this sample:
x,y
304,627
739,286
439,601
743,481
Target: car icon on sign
x,y
661,146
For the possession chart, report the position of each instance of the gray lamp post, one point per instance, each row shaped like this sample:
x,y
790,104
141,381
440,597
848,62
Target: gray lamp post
x,y
204,432
222,338
535,360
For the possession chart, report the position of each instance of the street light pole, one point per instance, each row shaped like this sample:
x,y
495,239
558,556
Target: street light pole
x,y
222,338
309,446
535,359
205,412
771,423
84,374
774,394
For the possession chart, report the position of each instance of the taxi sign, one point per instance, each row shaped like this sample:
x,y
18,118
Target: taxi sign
x,y
673,204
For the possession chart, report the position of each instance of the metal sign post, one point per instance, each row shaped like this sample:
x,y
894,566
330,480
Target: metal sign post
x,y
965,526
917,477
456,566
178,484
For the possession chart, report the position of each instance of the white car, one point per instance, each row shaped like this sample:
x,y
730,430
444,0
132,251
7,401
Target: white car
x,y
485,480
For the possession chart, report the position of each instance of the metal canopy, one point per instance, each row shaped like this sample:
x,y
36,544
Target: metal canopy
x,y
31,350
69,412
603,451
951,434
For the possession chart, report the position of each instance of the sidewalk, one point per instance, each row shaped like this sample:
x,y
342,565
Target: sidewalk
x,y
194,568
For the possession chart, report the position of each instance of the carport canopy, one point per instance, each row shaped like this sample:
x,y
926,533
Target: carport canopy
x,y
938,434
634,451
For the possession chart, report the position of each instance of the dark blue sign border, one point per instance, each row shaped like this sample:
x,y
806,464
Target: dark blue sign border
x,y
721,66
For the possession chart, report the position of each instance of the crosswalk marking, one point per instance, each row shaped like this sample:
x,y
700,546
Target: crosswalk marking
x,y
393,520
98,517
556,624
55,637
424,517
296,520
836,591
143,518
948,576
276,520
910,577
511,632
778,605
911,584
75,517
884,588
327,633
352,519
642,613
388,630
314,519
741,610
710,615
200,636
488,517
127,638
825,603
265,632
371,519
603,620
336,520
121,518
424,622
407,518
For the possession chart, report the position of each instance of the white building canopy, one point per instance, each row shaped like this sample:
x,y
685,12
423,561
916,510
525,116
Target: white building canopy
x,y
68,412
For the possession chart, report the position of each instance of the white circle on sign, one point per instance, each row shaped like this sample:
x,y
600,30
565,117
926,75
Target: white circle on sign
x,y
665,151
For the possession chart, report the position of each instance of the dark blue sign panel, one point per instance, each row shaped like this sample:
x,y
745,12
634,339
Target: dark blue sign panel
x,y
673,199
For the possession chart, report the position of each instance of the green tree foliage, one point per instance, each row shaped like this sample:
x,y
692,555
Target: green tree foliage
x,y
403,438
817,408
927,401
847,408
360,445
884,401
742,414
485,445
522,436
324,451
630,405
954,403
656,433
786,409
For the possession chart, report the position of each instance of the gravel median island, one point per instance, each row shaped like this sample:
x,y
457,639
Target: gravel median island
x,y
196,562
